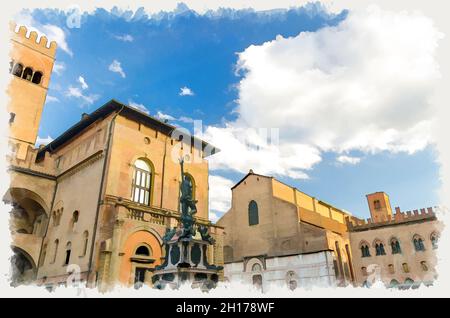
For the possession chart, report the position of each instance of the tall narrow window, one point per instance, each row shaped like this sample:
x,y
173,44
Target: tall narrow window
x,y
253,217
37,77
27,74
55,250
395,246
434,240
43,255
418,243
365,251
379,248
142,182
74,220
68,251
377,204
405,267
85,242
17,70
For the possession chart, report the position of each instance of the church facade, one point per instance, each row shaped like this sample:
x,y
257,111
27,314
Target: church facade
x,y
96,200
277,235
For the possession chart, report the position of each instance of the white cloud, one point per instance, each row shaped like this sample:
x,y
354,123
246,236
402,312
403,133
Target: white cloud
x,y
59,67
242,149
124,38
182,119
219,196
186,91
362,85
83,83
138,106
43,141
51,99
77,93
52,32
163,116
348,159
185,119
116,68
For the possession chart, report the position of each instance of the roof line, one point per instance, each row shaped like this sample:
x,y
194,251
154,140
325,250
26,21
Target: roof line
x,y
106,109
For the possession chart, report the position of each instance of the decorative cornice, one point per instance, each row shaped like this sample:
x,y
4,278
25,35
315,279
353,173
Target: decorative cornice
x,y
32,172
81,165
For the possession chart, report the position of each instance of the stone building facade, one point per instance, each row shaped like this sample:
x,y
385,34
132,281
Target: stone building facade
x,y
275,233
101,195
398,249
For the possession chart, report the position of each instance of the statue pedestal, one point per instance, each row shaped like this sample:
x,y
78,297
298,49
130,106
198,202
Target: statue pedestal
x,y
186,263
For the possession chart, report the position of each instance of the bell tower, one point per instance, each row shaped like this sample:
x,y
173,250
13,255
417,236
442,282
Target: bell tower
x,y
31,64
380,206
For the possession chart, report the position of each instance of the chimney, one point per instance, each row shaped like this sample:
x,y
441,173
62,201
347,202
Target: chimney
x,y
84,116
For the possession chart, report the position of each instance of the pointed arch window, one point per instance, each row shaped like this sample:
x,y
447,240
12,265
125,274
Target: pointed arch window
x,y
27,74
85,242
418,243
55,250
395,246
365,251
434,240
142,182
37,77
253,215
68,252
17,70
379,248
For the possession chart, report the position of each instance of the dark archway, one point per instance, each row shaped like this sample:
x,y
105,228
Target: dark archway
x,y
23,268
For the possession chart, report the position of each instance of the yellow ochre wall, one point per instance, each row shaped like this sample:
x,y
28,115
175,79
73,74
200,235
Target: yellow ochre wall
x,y
27,99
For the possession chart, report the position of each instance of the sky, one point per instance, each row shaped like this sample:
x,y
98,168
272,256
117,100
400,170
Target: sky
x,y
336,105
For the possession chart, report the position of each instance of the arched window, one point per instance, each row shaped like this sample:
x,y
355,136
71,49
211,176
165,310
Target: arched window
x,y
365,251
434,240
74,220
68,251
253,217
418,243
17,70
393,284
395,246
37,77
85,242
364,271
424,266
27,74
408,282
143,251
43,255
405,267
55,250
379,248
256,267
142,182
391,268
377,204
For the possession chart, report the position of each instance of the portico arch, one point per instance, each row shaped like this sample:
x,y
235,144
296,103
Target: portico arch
x,y
135,266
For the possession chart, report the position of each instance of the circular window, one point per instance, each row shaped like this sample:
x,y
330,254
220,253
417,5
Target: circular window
x,y
147,140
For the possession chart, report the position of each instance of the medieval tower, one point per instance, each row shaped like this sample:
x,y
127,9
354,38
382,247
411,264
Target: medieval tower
x,y
31,65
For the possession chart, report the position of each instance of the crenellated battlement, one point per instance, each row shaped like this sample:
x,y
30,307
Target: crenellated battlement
x,y
398,218
28,162
33,40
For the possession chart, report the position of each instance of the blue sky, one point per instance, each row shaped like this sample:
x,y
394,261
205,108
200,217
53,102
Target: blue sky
x,y
147,60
